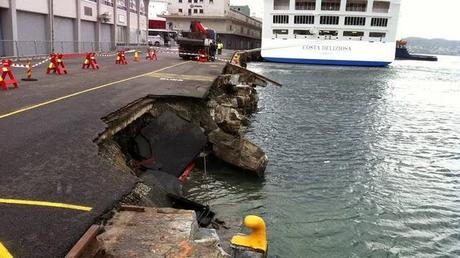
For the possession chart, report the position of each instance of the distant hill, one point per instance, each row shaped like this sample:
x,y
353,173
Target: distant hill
x,y
433,46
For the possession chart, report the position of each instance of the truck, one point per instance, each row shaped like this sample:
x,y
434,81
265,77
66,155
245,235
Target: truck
x,y
198,39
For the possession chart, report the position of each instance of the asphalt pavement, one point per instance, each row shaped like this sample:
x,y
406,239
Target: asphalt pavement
x,y
53,183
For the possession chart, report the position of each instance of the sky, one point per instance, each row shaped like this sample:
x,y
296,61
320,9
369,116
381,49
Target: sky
x,y
419,18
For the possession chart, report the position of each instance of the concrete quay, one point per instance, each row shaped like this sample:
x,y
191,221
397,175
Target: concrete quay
x,y
53,183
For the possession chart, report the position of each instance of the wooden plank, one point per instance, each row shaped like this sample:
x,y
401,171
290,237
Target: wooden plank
x,y
78,249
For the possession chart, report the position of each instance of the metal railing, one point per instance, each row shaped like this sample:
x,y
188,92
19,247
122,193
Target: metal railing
x,y
21,48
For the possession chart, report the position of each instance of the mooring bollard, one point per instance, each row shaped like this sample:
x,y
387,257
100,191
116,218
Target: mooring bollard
x,y
255,244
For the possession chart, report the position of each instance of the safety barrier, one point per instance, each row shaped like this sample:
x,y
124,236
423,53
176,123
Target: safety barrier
x,y
151,54
5,73
56,65
90,61
121,58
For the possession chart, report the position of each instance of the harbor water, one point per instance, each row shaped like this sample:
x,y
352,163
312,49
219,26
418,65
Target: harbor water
x,y
364,162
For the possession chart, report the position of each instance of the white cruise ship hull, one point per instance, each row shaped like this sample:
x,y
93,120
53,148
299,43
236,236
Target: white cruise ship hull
x,y
328,52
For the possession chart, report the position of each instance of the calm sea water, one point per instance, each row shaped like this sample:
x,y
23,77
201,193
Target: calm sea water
x,y
364,162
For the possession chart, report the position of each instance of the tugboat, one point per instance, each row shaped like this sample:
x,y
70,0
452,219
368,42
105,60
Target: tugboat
x,y
403,54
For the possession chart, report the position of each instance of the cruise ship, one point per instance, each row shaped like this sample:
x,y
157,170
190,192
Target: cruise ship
x,y
330,32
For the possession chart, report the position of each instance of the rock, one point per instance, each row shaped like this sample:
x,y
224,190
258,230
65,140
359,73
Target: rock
x,y
229,119
158,232
238,151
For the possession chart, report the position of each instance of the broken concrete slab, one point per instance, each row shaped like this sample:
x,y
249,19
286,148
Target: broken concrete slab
x,y
238,151
157,232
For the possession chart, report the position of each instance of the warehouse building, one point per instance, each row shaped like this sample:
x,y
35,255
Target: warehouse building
x,y
35,27
236,29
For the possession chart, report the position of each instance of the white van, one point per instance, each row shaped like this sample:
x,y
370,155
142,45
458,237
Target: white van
x,y
155,41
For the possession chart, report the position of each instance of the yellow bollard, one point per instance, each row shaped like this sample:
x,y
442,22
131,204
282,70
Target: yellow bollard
x,y
136,56
29,72
257,239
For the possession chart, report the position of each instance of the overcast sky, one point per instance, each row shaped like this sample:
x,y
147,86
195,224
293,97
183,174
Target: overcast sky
x,y
421,18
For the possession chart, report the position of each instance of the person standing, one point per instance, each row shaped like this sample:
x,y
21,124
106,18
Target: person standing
x,y
220,46
212,51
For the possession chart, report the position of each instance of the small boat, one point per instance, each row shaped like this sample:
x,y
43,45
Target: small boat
x,y
402,53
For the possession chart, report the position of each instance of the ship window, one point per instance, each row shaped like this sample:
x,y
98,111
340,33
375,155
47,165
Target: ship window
x,y
356,5
331,20
281,4
353,33
328,33
381,7
330,5
280,32
356,21
281,19
302,32
377,34
304,19
305,4
379,22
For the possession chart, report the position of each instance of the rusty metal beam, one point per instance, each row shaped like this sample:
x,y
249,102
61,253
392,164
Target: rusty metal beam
x,y
79,248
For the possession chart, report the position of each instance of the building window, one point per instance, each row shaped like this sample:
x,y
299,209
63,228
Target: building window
x,y
195,1
281,4
328,33
142,7
356,5
305,4
121,34
121,4
381,7
108,2
355,21
189,11
329,20
281,19
195,10
304,19
280,32
379,22
88,11
353,33
180,10
377,34
180,1
330,5
201,10
302,32
133,5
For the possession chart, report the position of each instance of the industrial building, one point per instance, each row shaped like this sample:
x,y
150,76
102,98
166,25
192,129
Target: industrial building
x,y
36,27
234,28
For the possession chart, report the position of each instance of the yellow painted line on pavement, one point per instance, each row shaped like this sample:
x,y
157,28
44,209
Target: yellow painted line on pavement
x,y
85,91
182,77
45,204
4,253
